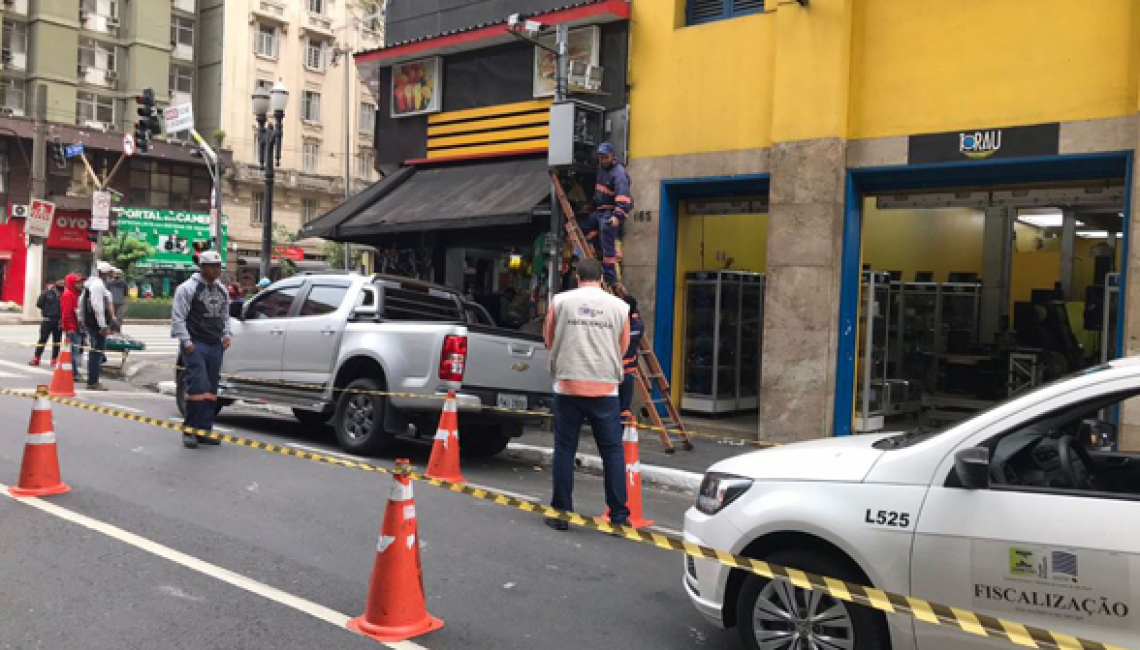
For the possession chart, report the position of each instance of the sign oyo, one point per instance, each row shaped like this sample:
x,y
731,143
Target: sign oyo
x,y
70,231
178,118
40,218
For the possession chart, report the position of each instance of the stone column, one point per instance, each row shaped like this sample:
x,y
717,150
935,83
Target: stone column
x,y
801,302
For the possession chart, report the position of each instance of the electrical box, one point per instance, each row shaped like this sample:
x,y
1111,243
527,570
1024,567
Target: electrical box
x,y
576,130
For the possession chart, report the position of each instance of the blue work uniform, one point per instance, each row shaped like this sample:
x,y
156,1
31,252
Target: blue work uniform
x,y
629,365
613,197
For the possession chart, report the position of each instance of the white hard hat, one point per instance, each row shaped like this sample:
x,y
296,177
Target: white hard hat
x,y
104,267
209,257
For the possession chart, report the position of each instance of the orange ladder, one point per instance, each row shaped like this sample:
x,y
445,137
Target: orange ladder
x,y
649,376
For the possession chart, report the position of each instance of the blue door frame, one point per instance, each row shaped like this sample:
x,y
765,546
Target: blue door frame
x,y
949,175
673,191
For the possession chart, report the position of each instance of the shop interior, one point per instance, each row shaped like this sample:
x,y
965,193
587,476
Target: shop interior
x,y
722,249
970,296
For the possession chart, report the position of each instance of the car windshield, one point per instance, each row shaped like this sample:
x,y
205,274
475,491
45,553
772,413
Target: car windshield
x,y
922,434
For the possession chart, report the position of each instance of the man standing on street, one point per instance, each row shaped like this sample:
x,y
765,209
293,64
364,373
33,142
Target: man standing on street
x,y
629,360
613,203
97,319
587,330
50,313
201,323
118,288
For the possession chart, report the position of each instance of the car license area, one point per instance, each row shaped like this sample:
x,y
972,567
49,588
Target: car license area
x,y
509,401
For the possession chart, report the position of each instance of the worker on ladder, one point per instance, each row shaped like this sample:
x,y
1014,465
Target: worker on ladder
x,y
613,202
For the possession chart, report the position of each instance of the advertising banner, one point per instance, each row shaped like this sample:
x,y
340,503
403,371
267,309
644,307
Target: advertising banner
x,y
172,233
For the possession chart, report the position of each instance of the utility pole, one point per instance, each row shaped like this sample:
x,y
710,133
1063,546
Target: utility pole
x,y
33,271
347,146
553,240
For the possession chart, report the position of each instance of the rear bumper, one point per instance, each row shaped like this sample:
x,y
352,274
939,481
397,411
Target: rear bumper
x,y
486,401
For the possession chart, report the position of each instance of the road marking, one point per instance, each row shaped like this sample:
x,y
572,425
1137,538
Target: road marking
x,y
24,367
121,407
315,610
517,495
668,531
11,375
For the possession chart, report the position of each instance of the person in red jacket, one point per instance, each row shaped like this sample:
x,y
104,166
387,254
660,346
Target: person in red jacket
x,y
69,303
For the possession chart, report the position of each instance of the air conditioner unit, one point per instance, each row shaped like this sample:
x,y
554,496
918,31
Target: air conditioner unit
x,y
111,75
20,211
82,70
94,124
583,77
112,21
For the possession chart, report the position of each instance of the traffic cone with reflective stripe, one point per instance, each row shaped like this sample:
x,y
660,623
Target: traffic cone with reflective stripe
x,y
63,379
396,609
39,472
444,461
632,451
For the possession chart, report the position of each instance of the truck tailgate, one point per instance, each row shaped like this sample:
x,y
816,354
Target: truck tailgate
x,y
506,361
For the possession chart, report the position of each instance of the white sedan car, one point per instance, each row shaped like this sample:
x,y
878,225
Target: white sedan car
x,y
1020,512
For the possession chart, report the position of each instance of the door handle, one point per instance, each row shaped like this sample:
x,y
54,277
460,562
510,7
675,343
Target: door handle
x,y
520,351
277,332
328,332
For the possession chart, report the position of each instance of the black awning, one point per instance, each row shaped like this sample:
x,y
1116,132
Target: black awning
x,y
441,198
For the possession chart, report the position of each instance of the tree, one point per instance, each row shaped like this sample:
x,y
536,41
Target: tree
x,y
282,237
334,255
125,251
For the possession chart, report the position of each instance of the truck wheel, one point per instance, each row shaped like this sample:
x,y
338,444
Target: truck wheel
x,y
359,419
483,440
775,614
312,419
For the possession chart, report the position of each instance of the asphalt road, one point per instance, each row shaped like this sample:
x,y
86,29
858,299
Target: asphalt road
x,y
236,524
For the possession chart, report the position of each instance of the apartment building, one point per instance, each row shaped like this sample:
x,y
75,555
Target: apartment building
x,y
307,45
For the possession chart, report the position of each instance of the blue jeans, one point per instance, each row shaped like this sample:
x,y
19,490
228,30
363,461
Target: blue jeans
x,y
76,339
203,370
95,355
604,415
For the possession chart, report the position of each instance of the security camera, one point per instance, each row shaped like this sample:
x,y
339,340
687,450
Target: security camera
x,y
519,24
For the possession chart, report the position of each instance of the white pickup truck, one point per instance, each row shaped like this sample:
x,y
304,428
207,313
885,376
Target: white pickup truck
x,y
304,340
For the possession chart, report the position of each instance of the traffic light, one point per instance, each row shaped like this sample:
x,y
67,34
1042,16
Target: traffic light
x,y
147,126
55,148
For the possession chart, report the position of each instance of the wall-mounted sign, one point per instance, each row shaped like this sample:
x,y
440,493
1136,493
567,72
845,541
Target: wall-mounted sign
x,y
294,253
582,47
172,233
40,218
70,231
101,211
982,144
416,87
178,118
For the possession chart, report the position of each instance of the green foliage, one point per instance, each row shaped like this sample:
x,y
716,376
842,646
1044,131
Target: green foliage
x,y
334,255
283,237
219,137
150,308
124,251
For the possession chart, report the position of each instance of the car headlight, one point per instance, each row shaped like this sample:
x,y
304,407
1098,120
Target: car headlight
x,y
719,490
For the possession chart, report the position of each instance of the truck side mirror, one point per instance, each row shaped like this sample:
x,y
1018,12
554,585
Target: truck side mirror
x,y
973,468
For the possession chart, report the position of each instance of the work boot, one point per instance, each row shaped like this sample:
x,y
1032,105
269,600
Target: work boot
x,y
556,524
206,440
98,386
34,362
189,441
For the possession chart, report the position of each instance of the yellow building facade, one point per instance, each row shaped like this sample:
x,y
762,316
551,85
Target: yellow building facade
x,y
976,143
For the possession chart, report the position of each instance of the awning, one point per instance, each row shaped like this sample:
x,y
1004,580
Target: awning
x,y
417,199
302,265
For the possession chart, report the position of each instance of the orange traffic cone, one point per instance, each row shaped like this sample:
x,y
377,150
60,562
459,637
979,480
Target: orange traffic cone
x,y
633,476
63,379
39,472
396,610
444,461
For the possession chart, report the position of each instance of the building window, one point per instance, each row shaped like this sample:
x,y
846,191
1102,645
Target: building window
x,y
14,96
90,107
706,11
310,106
263,84
367,117
317,6
96,55
106,8
374,20
314,54
181,31
265,41
15,45
255,208
310,157
365,163
181,80
308,210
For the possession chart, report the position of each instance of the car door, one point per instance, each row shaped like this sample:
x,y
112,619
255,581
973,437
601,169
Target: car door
x,y
312,339
1049,555
259,336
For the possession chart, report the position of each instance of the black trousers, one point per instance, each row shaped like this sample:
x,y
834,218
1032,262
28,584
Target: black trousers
x,y
55,331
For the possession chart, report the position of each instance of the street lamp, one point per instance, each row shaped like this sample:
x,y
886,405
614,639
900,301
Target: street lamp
x,y
269,138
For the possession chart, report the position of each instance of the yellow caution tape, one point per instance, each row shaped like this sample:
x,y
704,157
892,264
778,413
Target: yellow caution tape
x,y
924,610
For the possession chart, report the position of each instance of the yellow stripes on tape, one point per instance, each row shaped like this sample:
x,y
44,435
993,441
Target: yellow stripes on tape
x,y
884,601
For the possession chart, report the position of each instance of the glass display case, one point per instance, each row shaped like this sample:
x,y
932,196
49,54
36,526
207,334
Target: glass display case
x,y
724,323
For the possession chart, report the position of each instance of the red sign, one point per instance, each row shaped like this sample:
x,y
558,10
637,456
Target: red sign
x,y
70,231
288,252
40,216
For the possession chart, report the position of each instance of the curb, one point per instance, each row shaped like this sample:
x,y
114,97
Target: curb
x,y
667,477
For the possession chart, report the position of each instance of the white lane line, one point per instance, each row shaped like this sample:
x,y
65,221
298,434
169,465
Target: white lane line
x,y
667,530
315,610
23,367
122,408
517,495
11,375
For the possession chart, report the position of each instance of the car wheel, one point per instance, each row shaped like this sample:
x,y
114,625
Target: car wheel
x,y
775,615
312,419
483,440
359,419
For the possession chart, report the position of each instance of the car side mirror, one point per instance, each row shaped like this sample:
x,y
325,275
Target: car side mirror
x,y
973,468
1098,435
235,309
